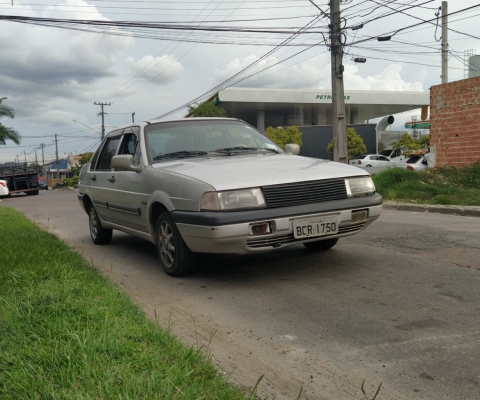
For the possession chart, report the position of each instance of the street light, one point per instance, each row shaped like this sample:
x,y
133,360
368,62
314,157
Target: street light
x,y
74,120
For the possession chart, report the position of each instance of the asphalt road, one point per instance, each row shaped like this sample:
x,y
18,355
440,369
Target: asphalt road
x,y
397,304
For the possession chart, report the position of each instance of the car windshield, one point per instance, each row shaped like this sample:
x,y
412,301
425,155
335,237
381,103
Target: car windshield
x,y
198,137
360,157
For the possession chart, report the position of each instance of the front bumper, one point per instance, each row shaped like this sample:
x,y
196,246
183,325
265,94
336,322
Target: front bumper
x,y
229,232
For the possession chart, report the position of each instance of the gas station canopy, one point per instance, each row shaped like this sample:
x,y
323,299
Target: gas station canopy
x,y
284,107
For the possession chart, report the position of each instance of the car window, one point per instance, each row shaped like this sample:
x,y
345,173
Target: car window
x,y
381,158
359,157
94,159
130,143
109,150
202,135
413,159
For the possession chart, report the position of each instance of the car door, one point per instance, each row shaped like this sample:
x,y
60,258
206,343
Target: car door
x,y
100,176
128,201
383,161
371,161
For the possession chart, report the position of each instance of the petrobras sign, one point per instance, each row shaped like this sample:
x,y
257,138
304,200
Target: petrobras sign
x,y
328,97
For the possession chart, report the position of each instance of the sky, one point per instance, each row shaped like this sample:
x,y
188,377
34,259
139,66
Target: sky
x,y
53,71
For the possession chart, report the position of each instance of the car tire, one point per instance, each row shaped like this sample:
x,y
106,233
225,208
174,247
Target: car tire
x,y
321,245
175,257
98,233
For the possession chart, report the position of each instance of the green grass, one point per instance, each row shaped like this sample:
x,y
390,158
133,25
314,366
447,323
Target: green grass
x,y
440,185
66,332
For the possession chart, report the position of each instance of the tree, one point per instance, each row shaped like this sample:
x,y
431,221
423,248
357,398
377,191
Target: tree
x,y
406,143
84,158
282,136
8,133
355,145
207,109
424,142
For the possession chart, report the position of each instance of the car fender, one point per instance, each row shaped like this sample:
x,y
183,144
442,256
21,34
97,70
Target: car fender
x,y
159,196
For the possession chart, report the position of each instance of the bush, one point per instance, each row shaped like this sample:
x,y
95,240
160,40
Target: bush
x,y
355,144
71,182
282,136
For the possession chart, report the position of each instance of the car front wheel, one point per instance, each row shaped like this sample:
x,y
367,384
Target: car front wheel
x,y
98,233
175,257
321,245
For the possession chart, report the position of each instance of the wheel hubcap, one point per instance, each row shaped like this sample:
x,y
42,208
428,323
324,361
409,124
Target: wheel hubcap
x,y
166,244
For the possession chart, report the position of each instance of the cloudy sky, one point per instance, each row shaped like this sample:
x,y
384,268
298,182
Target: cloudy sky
x,y
53,71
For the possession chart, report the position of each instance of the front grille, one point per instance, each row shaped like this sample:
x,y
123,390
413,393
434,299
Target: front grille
x,y
279,241
291,194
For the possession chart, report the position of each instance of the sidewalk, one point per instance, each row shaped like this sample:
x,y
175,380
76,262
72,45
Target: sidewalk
x,y
466,211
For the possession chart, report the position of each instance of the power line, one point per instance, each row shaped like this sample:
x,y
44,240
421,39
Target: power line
x,y
209,92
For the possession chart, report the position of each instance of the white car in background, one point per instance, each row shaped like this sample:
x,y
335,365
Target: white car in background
x,y
414,163
372,160
4,188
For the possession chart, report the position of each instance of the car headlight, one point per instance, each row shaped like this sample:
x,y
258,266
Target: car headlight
x,y
233,199
360,186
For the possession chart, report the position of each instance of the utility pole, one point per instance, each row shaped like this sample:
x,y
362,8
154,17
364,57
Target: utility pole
x,y
25,154
99,103
340,152
444,42
42,145
56,156
133,117
36,159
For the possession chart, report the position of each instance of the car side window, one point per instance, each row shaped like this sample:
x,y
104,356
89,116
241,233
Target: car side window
x,y
381,158
94,159
109,150
130,144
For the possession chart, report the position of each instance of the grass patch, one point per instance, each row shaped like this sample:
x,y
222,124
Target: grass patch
x,y
66,332
441,185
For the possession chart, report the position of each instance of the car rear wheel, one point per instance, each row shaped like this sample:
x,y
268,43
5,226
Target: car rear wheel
x,y
98,233
321,245
175,257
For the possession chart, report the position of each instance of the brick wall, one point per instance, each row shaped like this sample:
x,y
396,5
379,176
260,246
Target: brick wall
x,y
455,122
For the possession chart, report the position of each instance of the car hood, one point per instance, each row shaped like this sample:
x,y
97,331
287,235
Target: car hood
x,y
252,170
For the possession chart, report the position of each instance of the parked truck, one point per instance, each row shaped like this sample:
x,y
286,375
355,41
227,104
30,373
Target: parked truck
x,y
20,178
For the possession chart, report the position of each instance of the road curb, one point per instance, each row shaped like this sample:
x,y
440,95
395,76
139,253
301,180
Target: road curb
x,y
466,211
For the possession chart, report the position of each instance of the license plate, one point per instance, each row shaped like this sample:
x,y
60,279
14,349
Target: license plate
x,y
315,226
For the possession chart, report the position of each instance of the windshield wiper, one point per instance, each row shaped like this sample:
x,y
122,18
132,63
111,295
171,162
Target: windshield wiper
x,y
230,150
180,154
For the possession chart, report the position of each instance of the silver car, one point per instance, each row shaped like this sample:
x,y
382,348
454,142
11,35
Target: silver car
x,y
217,185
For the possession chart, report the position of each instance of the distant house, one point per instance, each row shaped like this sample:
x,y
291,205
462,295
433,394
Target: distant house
x,y
61,171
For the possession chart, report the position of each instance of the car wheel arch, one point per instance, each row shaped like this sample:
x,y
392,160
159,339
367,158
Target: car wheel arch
x,y
156,209
87,203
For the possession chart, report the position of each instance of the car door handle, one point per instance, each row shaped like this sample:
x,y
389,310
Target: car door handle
x,y
93,178
112,179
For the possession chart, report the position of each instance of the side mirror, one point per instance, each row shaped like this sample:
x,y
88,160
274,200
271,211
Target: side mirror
x,y
293,149
125,162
